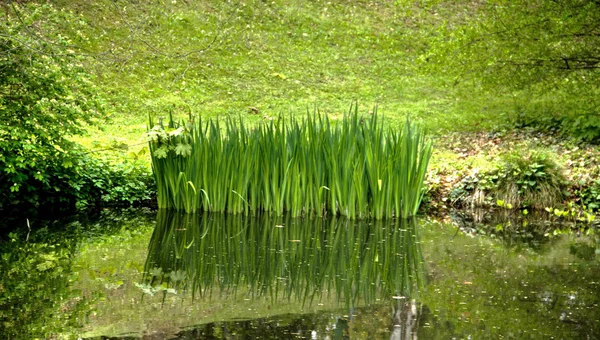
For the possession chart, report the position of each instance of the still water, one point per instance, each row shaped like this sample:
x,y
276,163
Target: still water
x,y
166,275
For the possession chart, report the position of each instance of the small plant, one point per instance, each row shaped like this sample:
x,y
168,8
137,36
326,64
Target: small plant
x,y
530,180
473,190
590,195
572,212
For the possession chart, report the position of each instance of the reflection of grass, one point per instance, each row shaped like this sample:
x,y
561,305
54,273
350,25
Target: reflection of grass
x,y
285,258
470,288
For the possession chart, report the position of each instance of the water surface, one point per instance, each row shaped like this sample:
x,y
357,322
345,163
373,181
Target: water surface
x,y
170,275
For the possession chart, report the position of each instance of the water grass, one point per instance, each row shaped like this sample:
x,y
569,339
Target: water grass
x,y
310,166
282,258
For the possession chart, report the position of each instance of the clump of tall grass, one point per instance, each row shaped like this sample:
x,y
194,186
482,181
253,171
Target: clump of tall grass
x,y
309,166
529,179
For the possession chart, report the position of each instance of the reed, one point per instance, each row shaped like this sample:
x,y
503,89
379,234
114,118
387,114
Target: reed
x,y
282,258
308,166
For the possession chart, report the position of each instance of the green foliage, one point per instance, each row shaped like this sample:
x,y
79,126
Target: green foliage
x,y
470,190
562,111
84,181
590,195
521,179
311,166
542,57
520,42
529,179
100,183
45,97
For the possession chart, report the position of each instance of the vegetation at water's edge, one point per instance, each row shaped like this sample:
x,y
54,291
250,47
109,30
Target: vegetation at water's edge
x,y
69,66
526,175
314,166
46,96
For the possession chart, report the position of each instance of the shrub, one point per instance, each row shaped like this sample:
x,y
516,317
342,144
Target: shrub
x,y
45,97
522,179
102,184
472,191
529,179
82,181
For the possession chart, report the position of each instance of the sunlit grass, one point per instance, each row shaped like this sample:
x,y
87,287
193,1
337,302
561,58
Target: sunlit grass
x,y
310,166
220,58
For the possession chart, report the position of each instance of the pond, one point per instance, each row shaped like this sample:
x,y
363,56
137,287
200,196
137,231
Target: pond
x,y
167,275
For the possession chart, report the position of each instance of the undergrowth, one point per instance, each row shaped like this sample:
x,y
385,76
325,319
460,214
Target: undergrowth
x,y
529,179
522,179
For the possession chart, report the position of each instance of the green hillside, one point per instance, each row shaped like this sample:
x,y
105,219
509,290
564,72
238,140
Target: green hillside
x,y
259,58
457,66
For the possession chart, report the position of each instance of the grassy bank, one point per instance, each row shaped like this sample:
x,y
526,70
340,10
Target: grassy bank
x,y
260,60
257,61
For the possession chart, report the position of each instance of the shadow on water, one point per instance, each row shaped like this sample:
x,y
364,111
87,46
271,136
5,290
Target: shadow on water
x,y
312,261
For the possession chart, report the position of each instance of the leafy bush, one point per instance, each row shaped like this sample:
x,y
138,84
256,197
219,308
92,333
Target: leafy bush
x,y
471,190
46,96
84,181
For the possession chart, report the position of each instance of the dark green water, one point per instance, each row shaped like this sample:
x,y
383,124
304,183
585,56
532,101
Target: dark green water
x,y
174,276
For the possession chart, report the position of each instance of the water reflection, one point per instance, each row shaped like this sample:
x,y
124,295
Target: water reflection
x,y
310,260
231,277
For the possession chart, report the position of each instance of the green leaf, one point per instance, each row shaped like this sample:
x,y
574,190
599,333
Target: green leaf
x,y
183,149
161,152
